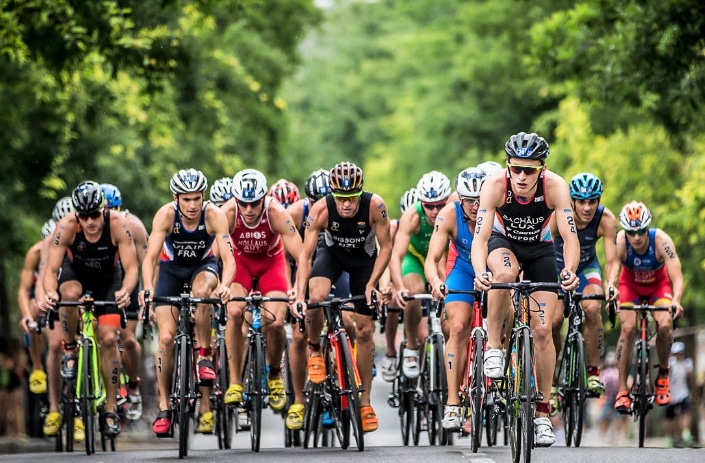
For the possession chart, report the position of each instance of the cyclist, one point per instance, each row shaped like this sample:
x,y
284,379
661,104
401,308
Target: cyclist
x,y
221,191
83,258
456,224
490,168
132,353
183,234
29,309
284,191
389,363
407,263
651,270
52,421
513,235
317,187
261,229
592,221
351,219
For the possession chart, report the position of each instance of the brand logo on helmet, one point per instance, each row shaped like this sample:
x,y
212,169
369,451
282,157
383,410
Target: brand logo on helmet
x,y
189,177
524,152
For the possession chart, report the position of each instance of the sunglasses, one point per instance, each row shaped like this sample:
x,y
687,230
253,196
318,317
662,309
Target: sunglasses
x,y
473,201
253,204
342,197
90,215
431,207
528,170
638,232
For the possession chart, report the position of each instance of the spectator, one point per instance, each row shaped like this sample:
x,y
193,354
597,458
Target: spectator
x,y
612,423
678,411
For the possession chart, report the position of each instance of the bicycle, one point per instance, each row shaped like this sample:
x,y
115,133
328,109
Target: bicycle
x,y
224,415
572,369
519,387
84,394
254,372
642,391
342,378
183,394
430,390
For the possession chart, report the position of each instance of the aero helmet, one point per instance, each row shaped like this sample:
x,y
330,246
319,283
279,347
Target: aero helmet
x,y
318,184
677,347
221,190
284,191
469,182
249,185
112,195
634,216
433,186
188,181
88,197
48,228
63,207
490,167
526,146
409,197
346,178
585,186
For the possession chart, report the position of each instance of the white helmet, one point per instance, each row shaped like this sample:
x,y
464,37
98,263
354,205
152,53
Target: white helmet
x,y
635,216
48,228
409,197
249,185
63,207
433,187
469,182
490,167
221,190
188,181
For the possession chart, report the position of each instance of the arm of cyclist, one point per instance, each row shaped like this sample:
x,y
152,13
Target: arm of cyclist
x,y
557,190
27,306
379,219
283,223
63,237
314,224
119,228
666,250
217,223
408,225
443,232
491,196
161,226
608,230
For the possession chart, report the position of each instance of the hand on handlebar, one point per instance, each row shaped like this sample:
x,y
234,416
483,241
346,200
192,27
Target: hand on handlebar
x,y
223,292
483,281
438,289
569,280
399,297
679,310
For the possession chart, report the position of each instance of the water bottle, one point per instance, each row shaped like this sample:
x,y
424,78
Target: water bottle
x,y
514,361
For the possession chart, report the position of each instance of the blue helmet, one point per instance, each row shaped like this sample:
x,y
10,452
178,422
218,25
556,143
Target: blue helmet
x,y
585,186
113,197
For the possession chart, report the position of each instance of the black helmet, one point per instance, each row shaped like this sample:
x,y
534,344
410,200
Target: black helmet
x,y
526,146
88,197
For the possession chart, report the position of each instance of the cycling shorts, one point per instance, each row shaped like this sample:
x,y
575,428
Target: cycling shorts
x,y
330,266
102,288
173,276
412,264
460,277
537,260
270,272
634,293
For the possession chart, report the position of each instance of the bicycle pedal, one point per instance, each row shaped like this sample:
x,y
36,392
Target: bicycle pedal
x,y
539,397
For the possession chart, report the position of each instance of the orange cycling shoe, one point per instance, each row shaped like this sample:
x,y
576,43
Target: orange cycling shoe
x,y
316,369
369,419
663,390
623,404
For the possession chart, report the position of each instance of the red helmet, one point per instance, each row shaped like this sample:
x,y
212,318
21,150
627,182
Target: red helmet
x,y
284,191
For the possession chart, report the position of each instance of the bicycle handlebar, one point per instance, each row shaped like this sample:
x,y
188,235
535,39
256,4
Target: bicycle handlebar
x,y
643,307
182,300
524,286
88,303
427,297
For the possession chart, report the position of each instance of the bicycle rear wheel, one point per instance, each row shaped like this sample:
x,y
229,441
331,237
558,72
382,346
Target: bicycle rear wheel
x,y
352,390
477,391
185,372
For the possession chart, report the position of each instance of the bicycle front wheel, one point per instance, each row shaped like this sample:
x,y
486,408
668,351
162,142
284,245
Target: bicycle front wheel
x,y
642,356
256,377
351,388
185,372
437,392
224,413
86,394
574,398
477,390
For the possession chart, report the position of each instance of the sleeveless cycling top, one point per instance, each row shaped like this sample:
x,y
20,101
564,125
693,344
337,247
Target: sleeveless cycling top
x,y
644,269
418,244
258,239
93,259
587,237
187,247
350,237
460,247
524,220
